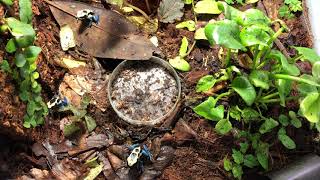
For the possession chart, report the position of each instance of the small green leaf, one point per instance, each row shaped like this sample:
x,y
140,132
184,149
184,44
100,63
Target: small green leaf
x,y
200,34
24,33
244,147
24,95
183,47
294,120
190,25
290,69
11,47
187,1
25,11
31,108
208,110
284,87
268,125
90,122
255,17
244,88
4,65
35,75
262,153
254,35
70,129
205,83
225,33
260,78
304,88
31,53
235,113
237,156
283,119
237,171
286,140
26,124
7,2
223,126
250,161
316,71
180,64
308,54
206,7
19,60
227,164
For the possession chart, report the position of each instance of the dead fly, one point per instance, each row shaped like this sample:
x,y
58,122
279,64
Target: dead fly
x,y
88,17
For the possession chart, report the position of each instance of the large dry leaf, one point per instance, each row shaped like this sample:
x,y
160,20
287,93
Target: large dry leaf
x,y
114,37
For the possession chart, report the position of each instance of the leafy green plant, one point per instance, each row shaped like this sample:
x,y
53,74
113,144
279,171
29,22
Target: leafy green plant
x,y
24,65
254,89
179,62
290,7
79,116
241,1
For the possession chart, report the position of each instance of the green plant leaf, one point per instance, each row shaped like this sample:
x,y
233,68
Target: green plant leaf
x,y
94,172
70,129
237,156
7,2
170,10
24,95
183,47
225,33
251,1
223,126
304,88
25,11
308,54
35,75
227,164
290,69
316,71
190,25
206,7
237,171
284,120
244,88
180,64
31,108
260,78
286,140
262,153
31,53
249,114
268,125
254,35
19,60
11,47
294,120
4,65
187,1
24,33
284,87
208,110
205,83
244,147
250,161
200,34
90,122
235,113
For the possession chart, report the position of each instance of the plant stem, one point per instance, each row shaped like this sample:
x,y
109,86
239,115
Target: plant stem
x,y
228,57
278,99
270,96
294,59
223,94
139,10
195,16
294,78
190,50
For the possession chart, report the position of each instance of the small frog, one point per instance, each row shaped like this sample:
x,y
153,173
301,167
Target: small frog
x,y
57,101
138,154
88,16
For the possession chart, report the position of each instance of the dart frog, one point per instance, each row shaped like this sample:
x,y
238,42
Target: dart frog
x,y
138,155
88,16
56,101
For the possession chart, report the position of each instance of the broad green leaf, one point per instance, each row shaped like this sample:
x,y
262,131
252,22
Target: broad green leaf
x,y
206,7
94,172
183,47
205,83
286,140
237,156
11,47
225,33
237,171
260,78
244,147
180,64
4,65
231,13
290,69
70,129
284,87
200,34
304,88
249,114
284,120
208,110
268,125
31,53
19,60
25,11
24,33
190,25
308,54
254,35
316,71
170,10
31,108
244,88
90,122
262,153
187,1
294,120
7,2
250,161
235,113
223,126
227,164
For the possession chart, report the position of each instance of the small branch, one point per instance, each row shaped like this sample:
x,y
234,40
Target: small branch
x,y
139,10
